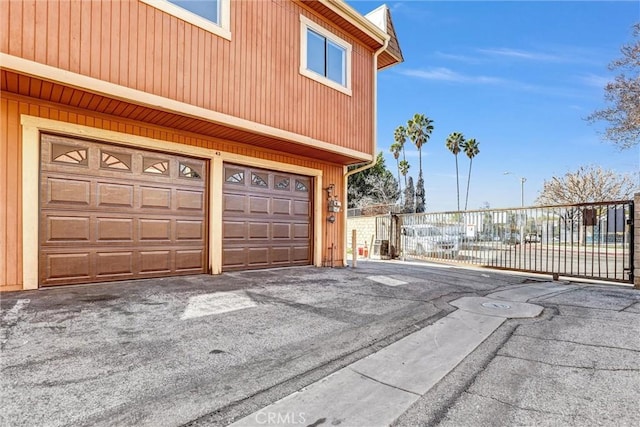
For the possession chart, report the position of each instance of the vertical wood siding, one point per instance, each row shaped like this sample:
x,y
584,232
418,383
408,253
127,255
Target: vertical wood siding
x,y
12,106
254,76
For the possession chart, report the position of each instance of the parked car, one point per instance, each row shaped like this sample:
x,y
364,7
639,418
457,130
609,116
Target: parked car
x,y
532,238
430,240
511,239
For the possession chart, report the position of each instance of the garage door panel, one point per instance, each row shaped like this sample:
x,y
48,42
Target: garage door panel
x,y
258,257
155,262
68,229
266,221
114,263
190,200
233,257
189,260
301,231
189,230
281,255
234,203
258,230
302,208
114,229
281,206
234,230
258,205
68,265
114,195
281,231
155,229
301,253
155,197
119,213
68,191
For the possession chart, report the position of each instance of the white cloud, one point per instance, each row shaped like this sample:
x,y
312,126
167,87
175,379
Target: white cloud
x,y
446,74
523,54
595,80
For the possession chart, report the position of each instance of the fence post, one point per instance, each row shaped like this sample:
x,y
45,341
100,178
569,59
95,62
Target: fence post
x,y
354,248
636,241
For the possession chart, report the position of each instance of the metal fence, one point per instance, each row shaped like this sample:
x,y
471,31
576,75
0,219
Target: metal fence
x,y
593,240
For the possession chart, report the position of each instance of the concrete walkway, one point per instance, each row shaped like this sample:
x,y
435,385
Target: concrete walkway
x,y
376,390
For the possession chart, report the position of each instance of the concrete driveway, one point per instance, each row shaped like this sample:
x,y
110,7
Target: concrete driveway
x,y
212,350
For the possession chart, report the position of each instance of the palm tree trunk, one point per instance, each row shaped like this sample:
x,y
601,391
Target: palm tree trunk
x,y
399,184
457,182
404,158
468,182
420,158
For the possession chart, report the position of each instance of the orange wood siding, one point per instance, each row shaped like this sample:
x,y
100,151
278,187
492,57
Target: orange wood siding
x,y
11,106
254,76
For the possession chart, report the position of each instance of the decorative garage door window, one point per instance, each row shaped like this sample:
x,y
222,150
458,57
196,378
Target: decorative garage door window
x,y
190,171
69,154
155,166
302,185
267,220
114,213
119,161
282,183
233,176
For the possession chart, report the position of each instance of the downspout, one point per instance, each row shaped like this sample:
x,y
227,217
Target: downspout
x,y
373,161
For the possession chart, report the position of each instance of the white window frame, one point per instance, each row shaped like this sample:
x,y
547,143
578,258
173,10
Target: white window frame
x,y
307,24
222,29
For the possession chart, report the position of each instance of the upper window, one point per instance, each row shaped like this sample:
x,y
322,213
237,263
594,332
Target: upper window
x,y
210,15
324,56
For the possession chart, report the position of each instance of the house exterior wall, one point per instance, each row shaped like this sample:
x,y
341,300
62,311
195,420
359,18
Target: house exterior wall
x,y
254,76
13,109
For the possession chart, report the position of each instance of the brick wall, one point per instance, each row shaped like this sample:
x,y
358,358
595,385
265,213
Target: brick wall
x,y
365,227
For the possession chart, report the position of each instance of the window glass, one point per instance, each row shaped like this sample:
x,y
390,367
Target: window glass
x,y
234,176
208,9
335,63
315,52
115,161
189,171
259,180
282,183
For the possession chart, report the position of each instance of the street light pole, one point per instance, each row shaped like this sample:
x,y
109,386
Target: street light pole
x,y
522,181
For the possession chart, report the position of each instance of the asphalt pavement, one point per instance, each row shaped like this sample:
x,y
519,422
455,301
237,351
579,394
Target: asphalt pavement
x,y
450,344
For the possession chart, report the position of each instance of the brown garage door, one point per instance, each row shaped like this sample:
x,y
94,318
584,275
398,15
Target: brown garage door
x,y
114,213
266,219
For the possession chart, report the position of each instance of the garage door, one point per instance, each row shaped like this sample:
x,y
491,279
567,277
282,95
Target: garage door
x,y
114,213
266,219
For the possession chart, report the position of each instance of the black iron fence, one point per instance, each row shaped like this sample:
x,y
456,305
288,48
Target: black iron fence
x,y
591,240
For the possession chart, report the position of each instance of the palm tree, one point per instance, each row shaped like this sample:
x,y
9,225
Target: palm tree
x,y
395,149
419,129
471,149
453,143
400,137
404,166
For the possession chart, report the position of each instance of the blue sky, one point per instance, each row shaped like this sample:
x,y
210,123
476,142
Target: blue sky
x,y
518,76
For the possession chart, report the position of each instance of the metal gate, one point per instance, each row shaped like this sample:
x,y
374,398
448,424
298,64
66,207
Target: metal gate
x,y
589,240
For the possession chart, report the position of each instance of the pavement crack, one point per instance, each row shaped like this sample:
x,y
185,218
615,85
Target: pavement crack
x,y
561,365
522,408
441,413
383,383
579,343
384,296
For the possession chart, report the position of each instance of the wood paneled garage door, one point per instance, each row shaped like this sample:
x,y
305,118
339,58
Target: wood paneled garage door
x,y
113,213
266,219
